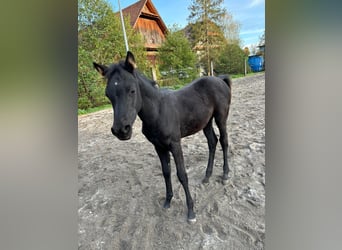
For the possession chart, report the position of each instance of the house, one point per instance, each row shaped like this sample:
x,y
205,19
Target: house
x,y
145,18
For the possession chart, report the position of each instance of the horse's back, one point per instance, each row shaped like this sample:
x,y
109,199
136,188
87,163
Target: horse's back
x,y
214,89
215,92
199,101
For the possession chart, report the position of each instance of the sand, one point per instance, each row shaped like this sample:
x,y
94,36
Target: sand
x,y
122,190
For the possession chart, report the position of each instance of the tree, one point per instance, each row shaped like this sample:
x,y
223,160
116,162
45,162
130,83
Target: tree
x,y
231,29
175,55
262,39
206,22
246,51
90,12
253,49
100,39
231,60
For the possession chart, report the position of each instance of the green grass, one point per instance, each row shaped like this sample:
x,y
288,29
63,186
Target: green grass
x,y
92,110
242,75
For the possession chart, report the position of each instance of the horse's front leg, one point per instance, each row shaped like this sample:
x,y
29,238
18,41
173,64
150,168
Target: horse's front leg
x,y
164,157
177,153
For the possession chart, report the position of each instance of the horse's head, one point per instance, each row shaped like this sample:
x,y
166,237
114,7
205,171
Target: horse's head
x,y
123,92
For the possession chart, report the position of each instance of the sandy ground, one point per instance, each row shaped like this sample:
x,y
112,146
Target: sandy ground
x,y
121,187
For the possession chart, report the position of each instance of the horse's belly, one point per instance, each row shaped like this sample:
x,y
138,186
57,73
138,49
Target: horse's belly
x,y
195,123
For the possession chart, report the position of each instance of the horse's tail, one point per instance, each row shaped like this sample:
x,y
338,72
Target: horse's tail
x,y
226,79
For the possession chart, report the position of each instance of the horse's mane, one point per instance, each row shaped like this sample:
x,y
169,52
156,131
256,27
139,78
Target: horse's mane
x,y
146,80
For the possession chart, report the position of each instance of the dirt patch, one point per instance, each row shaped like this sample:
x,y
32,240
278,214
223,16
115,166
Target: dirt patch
x,y
121,187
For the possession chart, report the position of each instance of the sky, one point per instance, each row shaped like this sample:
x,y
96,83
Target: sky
x,y
250,14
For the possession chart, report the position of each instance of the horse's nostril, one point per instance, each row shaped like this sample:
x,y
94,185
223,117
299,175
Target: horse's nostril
x,y
127,128
122,132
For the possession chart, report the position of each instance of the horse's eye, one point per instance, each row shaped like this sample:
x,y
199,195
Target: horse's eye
x,y
132,91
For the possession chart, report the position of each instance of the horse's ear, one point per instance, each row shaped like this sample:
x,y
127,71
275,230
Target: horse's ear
x,y
102,69
130,61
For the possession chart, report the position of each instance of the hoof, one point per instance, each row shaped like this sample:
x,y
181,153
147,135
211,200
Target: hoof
x,y
166,205
192,221
205,180
225,179
191,218
225,182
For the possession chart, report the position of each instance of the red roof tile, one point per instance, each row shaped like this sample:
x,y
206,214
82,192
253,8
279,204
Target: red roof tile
x,y
136,9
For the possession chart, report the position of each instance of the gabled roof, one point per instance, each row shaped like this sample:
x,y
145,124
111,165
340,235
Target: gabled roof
x,y
144,8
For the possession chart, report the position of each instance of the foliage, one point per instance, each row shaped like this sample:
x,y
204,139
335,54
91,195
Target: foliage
x,y
176,59
206,10
253,49
90,11
88,83
262,39
100,39
206,28
231,60
246,51
231,29
91,110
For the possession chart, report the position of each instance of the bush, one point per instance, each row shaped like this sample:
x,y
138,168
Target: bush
x,y
231,60
177,60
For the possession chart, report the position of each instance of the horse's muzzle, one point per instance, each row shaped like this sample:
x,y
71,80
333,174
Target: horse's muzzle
x,y
122,133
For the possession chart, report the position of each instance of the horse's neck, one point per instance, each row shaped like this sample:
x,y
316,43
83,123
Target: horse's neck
x,y
150,97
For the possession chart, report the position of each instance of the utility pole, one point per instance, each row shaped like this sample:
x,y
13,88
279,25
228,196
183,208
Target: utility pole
x,y
245,62
123,27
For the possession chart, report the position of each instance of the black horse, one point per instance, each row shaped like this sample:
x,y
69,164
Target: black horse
x,y
167,116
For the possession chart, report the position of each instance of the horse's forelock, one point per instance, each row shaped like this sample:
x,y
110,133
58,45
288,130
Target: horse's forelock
x,y
113,69
120,68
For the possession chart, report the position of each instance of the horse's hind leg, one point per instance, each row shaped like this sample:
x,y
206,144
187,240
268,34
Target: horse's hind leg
x,y
164,157
212,142
221,121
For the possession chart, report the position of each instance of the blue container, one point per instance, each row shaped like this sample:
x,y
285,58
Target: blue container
x,y
256,63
